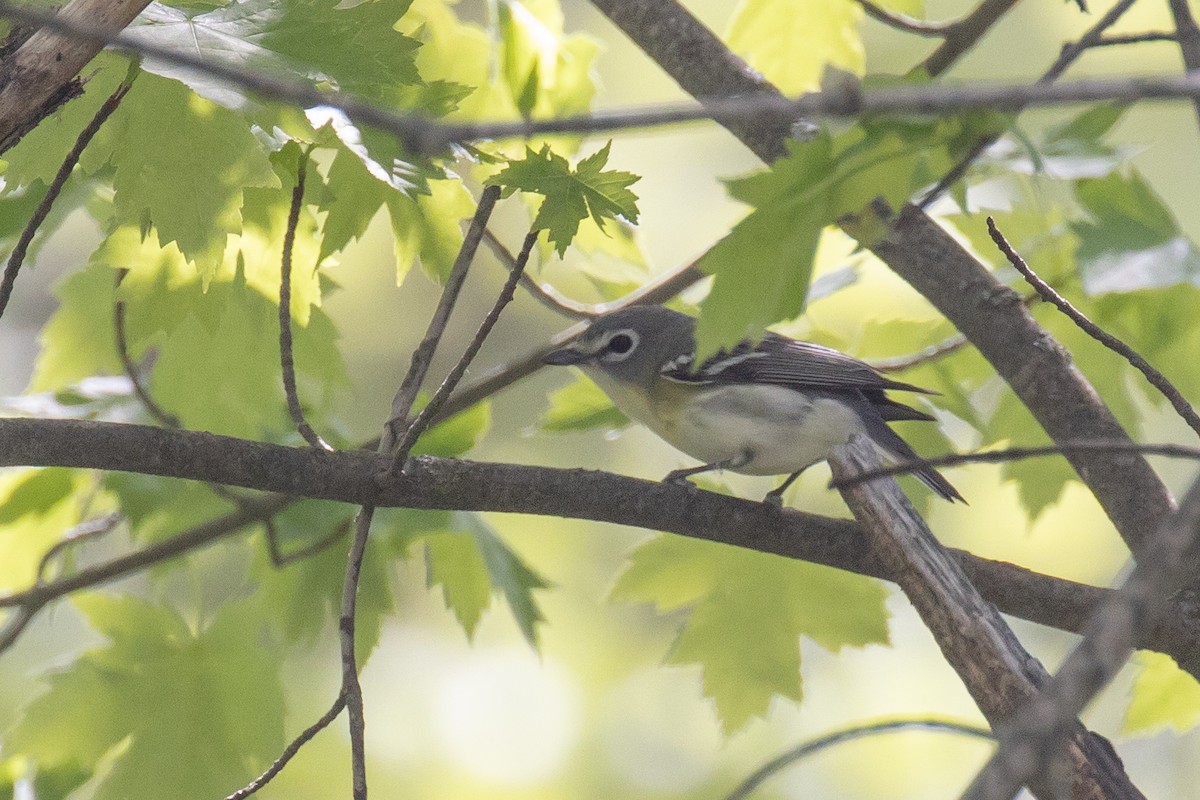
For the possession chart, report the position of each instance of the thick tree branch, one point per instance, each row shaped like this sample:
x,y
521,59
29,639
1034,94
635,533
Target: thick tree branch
x,y
1187,33
993,317
431,483
40,75
993,665
1171,559
704,67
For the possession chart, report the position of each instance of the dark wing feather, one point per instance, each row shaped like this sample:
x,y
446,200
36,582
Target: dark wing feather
x,y
780,361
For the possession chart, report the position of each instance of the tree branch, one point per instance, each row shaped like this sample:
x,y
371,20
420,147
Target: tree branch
x,y
432,483
993,317
1187,33
1047,292
965,33
430,412
904,23
40,75
423,355
1170,559
17,257
287,362
997,671
811,748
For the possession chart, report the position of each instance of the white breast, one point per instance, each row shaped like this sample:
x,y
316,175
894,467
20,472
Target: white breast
x,y
781,430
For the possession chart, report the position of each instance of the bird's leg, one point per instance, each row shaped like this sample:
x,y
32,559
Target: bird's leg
x,y
775,496
680,476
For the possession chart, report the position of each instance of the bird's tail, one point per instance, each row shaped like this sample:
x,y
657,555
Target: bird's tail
x,y
893,445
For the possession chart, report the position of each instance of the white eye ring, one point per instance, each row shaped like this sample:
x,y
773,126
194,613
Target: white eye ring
x,y
619,345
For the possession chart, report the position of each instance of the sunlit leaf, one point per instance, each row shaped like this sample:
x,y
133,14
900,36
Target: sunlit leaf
x,y
745,613
581,405
1163,696
219,682
791,43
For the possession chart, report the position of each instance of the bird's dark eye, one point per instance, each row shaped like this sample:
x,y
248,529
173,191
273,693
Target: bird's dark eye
x,y
620,344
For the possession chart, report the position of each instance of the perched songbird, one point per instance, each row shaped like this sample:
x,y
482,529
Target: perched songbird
x,y
771,408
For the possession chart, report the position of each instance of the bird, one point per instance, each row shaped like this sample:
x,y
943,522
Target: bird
x,y
774,406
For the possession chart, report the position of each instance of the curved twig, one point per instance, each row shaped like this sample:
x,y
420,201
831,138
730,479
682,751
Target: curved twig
x,y
902,22
814,746
1047,292
544,293
286,359
291,750
160,414
430,412
17,257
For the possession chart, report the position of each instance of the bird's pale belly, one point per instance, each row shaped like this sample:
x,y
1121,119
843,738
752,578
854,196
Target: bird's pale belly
x,y
779,430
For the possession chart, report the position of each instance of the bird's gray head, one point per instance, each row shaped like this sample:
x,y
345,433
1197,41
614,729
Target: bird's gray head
x,y
631,344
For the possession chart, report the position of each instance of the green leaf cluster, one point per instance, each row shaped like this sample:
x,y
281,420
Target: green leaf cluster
x,y
570,195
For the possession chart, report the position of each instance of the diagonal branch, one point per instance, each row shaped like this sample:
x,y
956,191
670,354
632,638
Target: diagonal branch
x,y
996,669
422,357
17,257
287,361
1168,562
40,74
1047,292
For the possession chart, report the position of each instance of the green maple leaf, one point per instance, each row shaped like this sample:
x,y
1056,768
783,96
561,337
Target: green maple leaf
x,y
571,196
221,684
470,561
181,165
351,47
745,614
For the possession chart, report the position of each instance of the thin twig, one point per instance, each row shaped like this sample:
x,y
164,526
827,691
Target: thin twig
x,y
17,257
951,344
423,135
814,746
545,294
503,375
406,396
160,414
963,35
1007,454
430,412
84,531
287,362
902,22
282,559
1047,292
1135,38
423,355
1165,565
194,538
1067,56
291,750
347,619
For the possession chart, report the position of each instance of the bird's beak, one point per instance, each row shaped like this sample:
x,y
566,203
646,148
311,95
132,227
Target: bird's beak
x,y
571,354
